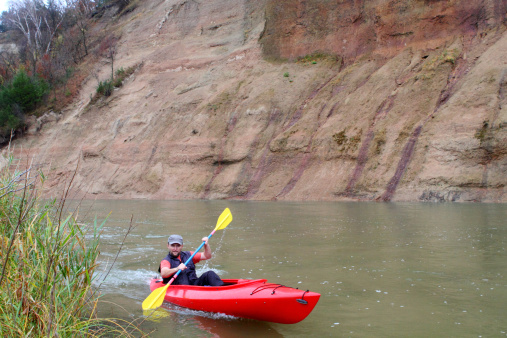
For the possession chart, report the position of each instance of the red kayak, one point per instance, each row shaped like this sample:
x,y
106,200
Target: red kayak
x,y
245,298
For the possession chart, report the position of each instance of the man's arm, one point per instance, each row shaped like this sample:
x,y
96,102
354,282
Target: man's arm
x,y
166,272
207,250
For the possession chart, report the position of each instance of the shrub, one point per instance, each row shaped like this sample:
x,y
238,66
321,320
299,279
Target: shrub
x,y
105,88
8,121
120,72
24,91
48,265
117,83
17,98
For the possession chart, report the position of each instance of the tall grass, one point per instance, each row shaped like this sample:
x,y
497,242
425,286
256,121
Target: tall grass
x,y
47,265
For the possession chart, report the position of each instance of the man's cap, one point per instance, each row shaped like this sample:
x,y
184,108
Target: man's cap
x,y
175,239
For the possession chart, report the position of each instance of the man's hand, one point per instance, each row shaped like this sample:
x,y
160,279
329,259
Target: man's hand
x,y
182,267
205,240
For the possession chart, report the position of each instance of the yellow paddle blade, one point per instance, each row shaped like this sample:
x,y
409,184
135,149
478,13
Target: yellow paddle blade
x,y
155,315
224,219
155,299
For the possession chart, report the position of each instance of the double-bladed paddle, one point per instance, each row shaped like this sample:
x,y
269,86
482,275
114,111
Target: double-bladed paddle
x,y
156,298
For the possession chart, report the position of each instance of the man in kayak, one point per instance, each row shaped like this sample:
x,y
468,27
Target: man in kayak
x,y
175,260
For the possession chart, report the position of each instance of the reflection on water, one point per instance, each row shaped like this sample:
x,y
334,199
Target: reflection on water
x,y
382,269
235,328
217,325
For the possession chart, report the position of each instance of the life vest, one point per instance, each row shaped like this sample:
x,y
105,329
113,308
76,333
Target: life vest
x,y
187,276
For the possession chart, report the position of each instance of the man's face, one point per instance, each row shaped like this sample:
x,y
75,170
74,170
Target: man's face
x,y
175,249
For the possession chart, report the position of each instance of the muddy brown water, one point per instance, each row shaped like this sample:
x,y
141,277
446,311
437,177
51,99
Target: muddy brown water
x,y
383,269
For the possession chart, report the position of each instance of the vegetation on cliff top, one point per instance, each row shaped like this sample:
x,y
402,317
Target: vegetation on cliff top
x,y
50,41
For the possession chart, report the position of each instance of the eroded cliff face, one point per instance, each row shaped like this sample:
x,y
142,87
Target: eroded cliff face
x,y
406,101
383,27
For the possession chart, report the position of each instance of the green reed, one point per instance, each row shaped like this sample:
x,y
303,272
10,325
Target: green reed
x,y
47,265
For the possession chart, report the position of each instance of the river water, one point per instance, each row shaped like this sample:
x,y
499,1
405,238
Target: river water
x,y
383,269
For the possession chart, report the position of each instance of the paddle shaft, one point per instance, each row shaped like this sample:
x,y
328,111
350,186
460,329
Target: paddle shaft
x,y
190,258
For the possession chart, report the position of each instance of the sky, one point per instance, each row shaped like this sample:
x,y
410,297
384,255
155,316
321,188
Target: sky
x,y
3,5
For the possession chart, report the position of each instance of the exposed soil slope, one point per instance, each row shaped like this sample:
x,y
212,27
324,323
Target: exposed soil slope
x,y
407,101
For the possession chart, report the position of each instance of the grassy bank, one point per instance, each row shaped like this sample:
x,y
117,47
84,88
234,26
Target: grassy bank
x,y
47,266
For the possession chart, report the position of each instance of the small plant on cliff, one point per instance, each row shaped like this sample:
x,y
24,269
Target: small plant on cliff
x,y
286,74
318,56
105,88
213,107
380,141
347,143
481,133
221,102
121,74
450,56
340,138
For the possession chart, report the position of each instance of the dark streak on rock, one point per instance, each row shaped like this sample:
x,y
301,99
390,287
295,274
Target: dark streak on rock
x,y
362,158
406,155
459,71
299,112
153,151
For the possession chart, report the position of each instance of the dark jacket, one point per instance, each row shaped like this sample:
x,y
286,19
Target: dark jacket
x,y
187,276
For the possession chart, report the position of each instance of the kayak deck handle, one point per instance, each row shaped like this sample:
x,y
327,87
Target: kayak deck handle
x,y
279,286
302,300
266,287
